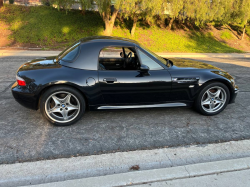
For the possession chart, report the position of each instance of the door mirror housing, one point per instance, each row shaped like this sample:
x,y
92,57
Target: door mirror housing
x,y
144,68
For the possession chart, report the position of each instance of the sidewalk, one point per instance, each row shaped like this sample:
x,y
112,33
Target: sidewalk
x,y
134,167
221,173
170,55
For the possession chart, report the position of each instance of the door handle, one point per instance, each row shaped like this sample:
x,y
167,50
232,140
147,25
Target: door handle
x,y
110,80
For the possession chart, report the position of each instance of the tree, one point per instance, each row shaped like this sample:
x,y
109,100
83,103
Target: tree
x,y
199,11
1,3
173,8
204,11
140,9
244,14
64,4
108,11
85,4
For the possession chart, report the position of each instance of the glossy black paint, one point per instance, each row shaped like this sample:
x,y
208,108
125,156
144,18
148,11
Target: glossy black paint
x,y
136,87
110,87
204,73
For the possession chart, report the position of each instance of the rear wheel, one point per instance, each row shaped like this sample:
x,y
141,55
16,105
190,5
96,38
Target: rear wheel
x,y
212,99
62,105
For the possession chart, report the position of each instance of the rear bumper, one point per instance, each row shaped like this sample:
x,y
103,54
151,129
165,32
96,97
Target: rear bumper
x,y
234,94
23,96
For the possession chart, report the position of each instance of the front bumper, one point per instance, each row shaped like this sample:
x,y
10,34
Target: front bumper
x,y
234,94
23,96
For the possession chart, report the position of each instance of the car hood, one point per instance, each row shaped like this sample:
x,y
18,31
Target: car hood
x,y
40,63
191,64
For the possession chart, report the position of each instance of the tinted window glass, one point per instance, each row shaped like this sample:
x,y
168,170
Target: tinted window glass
x,y
111,52
162,60
127,51
149,62
70,53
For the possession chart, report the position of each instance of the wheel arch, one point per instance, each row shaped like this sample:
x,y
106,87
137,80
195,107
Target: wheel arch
x,y
60,84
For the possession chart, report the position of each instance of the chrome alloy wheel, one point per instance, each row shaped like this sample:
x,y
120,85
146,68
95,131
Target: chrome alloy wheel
x,y
213,99
62,107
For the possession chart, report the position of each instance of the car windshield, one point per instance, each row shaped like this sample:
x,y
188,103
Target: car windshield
x,y
162,60
70,53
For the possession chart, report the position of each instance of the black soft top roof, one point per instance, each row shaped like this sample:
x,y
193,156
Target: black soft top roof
x,y
90,47
107,39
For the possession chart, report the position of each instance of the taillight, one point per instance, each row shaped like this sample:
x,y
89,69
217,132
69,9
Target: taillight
x,y
20,81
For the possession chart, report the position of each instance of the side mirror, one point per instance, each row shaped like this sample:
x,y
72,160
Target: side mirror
x,y
121,54
144,68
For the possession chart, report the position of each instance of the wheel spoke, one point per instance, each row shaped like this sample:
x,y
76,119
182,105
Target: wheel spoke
x,y
217,94
72,107
67,99
211,106
64,114
218,100
56,100
54,109
206,102
210,94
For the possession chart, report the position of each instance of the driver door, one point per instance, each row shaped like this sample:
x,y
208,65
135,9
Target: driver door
x,y
130,87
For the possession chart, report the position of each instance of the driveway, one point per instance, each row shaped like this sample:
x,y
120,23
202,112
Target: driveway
x,y
26,136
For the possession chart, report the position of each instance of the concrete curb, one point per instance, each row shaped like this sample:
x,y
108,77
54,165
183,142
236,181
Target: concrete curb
x,y
169,55
107,164
149,176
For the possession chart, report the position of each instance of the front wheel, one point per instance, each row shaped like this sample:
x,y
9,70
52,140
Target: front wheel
x,y
213,99
62,105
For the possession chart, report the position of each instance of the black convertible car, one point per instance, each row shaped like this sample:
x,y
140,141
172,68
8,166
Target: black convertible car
x,y
115,73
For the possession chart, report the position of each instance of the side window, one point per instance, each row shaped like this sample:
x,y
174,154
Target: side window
x,y
127,51
111,52
69,54
146,60
118,58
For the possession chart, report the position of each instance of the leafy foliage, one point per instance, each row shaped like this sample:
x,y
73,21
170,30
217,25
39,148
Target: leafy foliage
x,y
47,27
140,9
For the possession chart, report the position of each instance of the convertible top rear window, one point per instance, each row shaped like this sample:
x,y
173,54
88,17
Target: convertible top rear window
x,y
69,54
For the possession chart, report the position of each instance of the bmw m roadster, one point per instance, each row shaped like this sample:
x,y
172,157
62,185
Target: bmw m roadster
x,y
100,72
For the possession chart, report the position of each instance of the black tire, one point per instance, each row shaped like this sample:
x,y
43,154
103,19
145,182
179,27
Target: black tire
x,y
198,105
55,89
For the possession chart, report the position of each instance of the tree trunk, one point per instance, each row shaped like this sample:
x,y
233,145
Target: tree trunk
x,y
83,8
108,28
83,11
109,23
134,26
1,3
243,34
170,24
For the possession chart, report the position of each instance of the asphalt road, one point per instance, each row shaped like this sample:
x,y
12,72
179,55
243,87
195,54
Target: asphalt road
x,y
26,136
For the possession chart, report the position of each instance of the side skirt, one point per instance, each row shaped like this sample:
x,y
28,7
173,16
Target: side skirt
x,y
142,106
